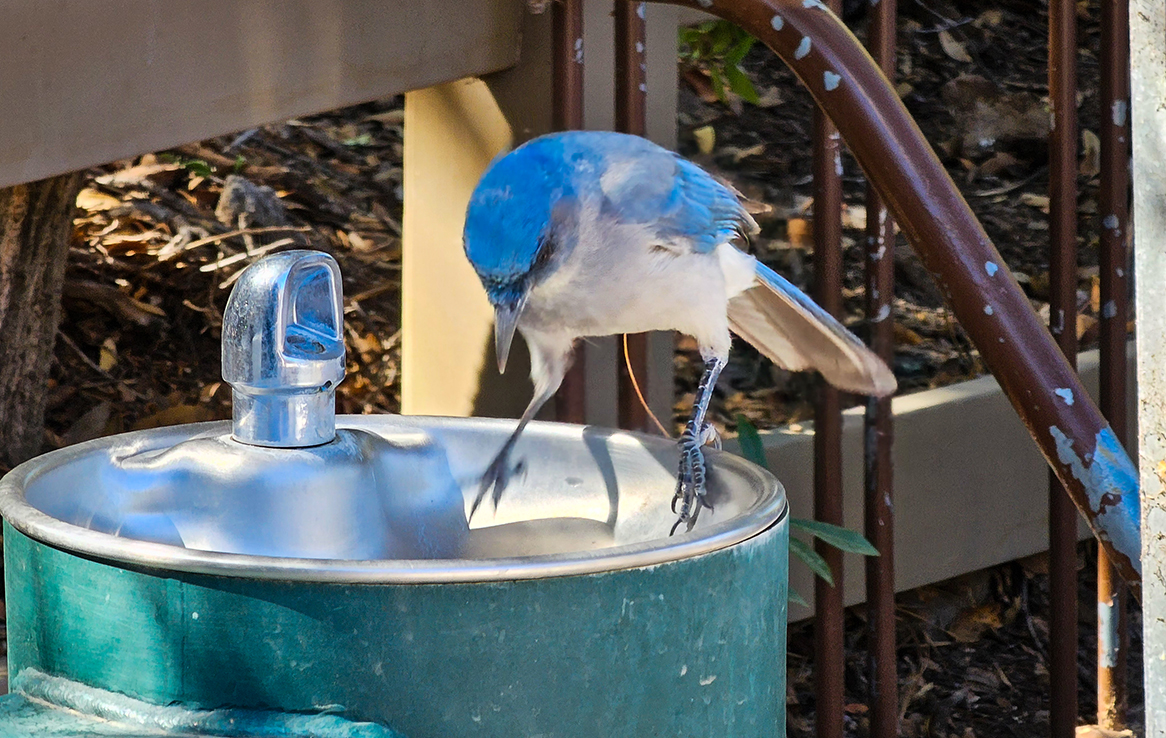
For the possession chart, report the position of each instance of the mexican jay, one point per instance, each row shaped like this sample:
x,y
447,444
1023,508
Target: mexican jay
x,y
594,233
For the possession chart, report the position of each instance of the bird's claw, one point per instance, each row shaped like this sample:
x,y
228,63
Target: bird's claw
x,y
690,481
497,476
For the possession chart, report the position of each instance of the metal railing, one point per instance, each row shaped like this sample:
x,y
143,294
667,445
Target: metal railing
x,y
1114,206
1090,471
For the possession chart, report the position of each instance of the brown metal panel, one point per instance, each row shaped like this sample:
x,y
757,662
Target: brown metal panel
x,y
1041,385
1112,626
630,117
567,101
829,644
878,467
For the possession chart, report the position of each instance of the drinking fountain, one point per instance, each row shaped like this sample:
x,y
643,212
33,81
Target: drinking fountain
x,y
293,572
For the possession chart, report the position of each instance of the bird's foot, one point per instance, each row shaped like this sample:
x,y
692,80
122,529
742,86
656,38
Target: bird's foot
x,y
497,476
690,481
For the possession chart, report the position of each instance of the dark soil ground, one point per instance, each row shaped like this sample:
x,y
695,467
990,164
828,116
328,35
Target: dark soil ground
x,y
158,245
972,657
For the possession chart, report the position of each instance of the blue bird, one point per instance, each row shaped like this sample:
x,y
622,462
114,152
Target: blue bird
x,y
594,233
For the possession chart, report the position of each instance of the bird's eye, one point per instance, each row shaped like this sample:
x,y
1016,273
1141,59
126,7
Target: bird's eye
x,y
546,249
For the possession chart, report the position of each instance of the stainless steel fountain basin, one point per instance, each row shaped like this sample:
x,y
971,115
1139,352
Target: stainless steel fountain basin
x,y
569,611
587,501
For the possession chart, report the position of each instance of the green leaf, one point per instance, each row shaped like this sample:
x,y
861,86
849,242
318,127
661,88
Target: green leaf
x,y
197,167
722,42
741,85
688,39
810,557
363,139
797,599
718,81
738,52
240,164
750,442
838,537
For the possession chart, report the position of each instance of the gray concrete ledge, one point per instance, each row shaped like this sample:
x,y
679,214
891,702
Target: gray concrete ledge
x,y
971,488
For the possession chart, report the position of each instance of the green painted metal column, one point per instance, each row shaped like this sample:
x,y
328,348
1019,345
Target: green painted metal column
x,y
694,647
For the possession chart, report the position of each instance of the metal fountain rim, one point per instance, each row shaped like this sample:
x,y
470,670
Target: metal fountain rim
x,y
770,508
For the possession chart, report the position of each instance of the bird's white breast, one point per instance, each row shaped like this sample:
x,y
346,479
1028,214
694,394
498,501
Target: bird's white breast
x,y
622,278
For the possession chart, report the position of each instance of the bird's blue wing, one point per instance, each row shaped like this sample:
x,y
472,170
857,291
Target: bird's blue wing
x,y
643,183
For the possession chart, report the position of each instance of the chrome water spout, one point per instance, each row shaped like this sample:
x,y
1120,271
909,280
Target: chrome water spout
x,y
283,350
285,482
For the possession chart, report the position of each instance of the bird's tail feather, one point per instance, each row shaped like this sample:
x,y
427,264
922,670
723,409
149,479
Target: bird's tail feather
x,y
797,334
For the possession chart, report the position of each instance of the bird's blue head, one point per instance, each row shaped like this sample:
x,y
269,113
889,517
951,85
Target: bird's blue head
x,y
513,232
510,218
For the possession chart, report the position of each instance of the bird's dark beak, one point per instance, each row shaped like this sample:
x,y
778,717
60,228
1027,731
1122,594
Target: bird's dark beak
x,y
505,322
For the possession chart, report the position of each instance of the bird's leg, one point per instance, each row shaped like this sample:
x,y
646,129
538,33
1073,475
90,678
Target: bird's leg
x,y
549,361
690,480
497,474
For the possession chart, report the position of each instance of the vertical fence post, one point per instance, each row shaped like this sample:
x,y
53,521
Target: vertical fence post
x,y
630,117
829,645
567,114
1112,635
879,425
1063,322
1147,19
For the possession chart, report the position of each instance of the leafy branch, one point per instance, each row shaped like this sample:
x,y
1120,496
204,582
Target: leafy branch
x,y
717,47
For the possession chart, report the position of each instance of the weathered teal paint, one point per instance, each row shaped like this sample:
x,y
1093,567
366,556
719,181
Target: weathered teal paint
x,y
694,647
54,706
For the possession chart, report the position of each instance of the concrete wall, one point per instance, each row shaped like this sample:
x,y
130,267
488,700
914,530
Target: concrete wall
x,y
84,83
1148,117
971,488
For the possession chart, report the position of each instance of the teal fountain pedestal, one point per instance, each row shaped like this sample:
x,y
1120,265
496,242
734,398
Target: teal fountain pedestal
x,y
596,624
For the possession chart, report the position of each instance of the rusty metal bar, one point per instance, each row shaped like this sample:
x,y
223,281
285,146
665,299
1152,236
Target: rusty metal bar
x,y
1113,639
630,117
878,466
1063,324
1113,645
567,114
829,643
630,68
1045,391
567,42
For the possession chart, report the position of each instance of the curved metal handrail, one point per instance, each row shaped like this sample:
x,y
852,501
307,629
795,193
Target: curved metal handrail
x,y
1048,395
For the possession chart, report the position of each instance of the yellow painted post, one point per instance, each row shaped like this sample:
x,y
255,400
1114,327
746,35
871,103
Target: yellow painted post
x,y
453,131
